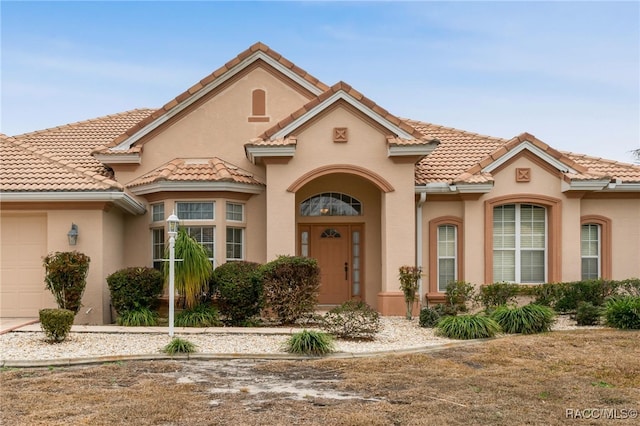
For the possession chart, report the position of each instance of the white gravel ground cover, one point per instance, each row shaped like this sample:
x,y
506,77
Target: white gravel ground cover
x,y
397,334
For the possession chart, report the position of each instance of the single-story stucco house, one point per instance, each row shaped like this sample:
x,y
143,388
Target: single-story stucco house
x,y
260,159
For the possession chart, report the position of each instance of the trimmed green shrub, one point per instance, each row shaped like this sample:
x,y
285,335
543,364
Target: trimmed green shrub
x,y
237,288
623,312
66,277
141,317
352,320
527,319
291,286
56,323
476,326
565,297
458,294
497,294
202,315
429,317
135,288
179,346
587,314
445,310
310,343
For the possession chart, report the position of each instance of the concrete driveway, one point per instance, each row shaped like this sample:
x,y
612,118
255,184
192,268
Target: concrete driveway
x,y
9,324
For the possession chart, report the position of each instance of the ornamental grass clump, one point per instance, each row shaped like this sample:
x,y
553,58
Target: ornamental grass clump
x,y
466,327
623,312
203,315
179,346
309,342
529,319
140,317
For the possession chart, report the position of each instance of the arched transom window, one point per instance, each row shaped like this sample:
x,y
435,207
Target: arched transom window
x,y
331,204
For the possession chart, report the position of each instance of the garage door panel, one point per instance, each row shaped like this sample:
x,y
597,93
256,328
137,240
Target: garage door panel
x,y
23,245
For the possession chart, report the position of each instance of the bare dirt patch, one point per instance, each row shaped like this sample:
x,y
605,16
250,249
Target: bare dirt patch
x,y
513,380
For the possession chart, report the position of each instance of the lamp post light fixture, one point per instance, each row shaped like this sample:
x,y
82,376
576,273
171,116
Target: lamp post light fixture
x,y
172,222
72,235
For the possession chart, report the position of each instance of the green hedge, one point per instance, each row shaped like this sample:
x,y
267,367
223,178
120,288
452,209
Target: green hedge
x,y
135,288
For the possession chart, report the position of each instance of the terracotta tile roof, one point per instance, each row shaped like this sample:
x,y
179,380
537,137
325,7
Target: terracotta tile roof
x,y
342,86
457,152
193,90
288,141
74,142
24,168
626,172
196,170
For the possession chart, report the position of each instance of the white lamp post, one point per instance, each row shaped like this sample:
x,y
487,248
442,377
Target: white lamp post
x,y
172,221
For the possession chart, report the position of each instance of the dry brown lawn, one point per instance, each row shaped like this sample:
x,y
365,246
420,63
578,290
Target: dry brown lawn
x,y
513,380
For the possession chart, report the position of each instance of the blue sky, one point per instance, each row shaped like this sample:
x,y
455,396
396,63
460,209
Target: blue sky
x,y
567,72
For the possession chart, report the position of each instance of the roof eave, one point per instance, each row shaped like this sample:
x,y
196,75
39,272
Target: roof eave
x,y
187,186
409,150
118,158
119,198
255,153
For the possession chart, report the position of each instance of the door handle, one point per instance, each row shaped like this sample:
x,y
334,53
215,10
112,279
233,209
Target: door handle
x,y
346,271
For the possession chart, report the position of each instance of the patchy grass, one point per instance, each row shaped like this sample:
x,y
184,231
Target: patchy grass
x,y
531,379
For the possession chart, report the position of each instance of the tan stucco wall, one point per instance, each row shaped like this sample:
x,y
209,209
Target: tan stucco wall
x,y
625,233
219,127
624,214
367,149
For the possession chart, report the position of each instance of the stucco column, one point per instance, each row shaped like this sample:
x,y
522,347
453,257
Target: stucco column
x,y
281,214
398,246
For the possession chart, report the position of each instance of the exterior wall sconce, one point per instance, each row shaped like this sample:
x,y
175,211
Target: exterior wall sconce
x,y
72,235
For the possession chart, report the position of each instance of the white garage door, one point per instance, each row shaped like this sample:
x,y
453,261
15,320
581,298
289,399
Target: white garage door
x,y
23,245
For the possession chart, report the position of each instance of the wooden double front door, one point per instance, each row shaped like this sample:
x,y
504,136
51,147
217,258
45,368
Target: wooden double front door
x,y
339,250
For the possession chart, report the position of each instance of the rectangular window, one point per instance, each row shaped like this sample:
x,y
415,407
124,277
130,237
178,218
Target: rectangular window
x,y
447,256
157,212
235,212
235,237
157,244
195,211
590,251
206,236
519,243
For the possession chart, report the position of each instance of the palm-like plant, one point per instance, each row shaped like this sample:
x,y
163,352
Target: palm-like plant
x,y
193,270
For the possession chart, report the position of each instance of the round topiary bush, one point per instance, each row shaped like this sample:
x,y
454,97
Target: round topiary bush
x,y
476,326
527,319
291,285
56,323
237,288
135,288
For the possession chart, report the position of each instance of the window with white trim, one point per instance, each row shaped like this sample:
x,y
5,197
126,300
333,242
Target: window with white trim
x,y
519,243
206,236
157,212
157,247
447,256
590,251
235,212
235,246
195,210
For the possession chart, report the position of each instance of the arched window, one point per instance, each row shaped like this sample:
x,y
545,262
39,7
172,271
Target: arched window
x,y
445,254
331,204
595,247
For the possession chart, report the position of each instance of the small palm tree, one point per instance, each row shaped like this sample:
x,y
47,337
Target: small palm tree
x,y
193,269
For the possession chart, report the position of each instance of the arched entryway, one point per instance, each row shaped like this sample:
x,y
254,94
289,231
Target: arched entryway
x,y
338,223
